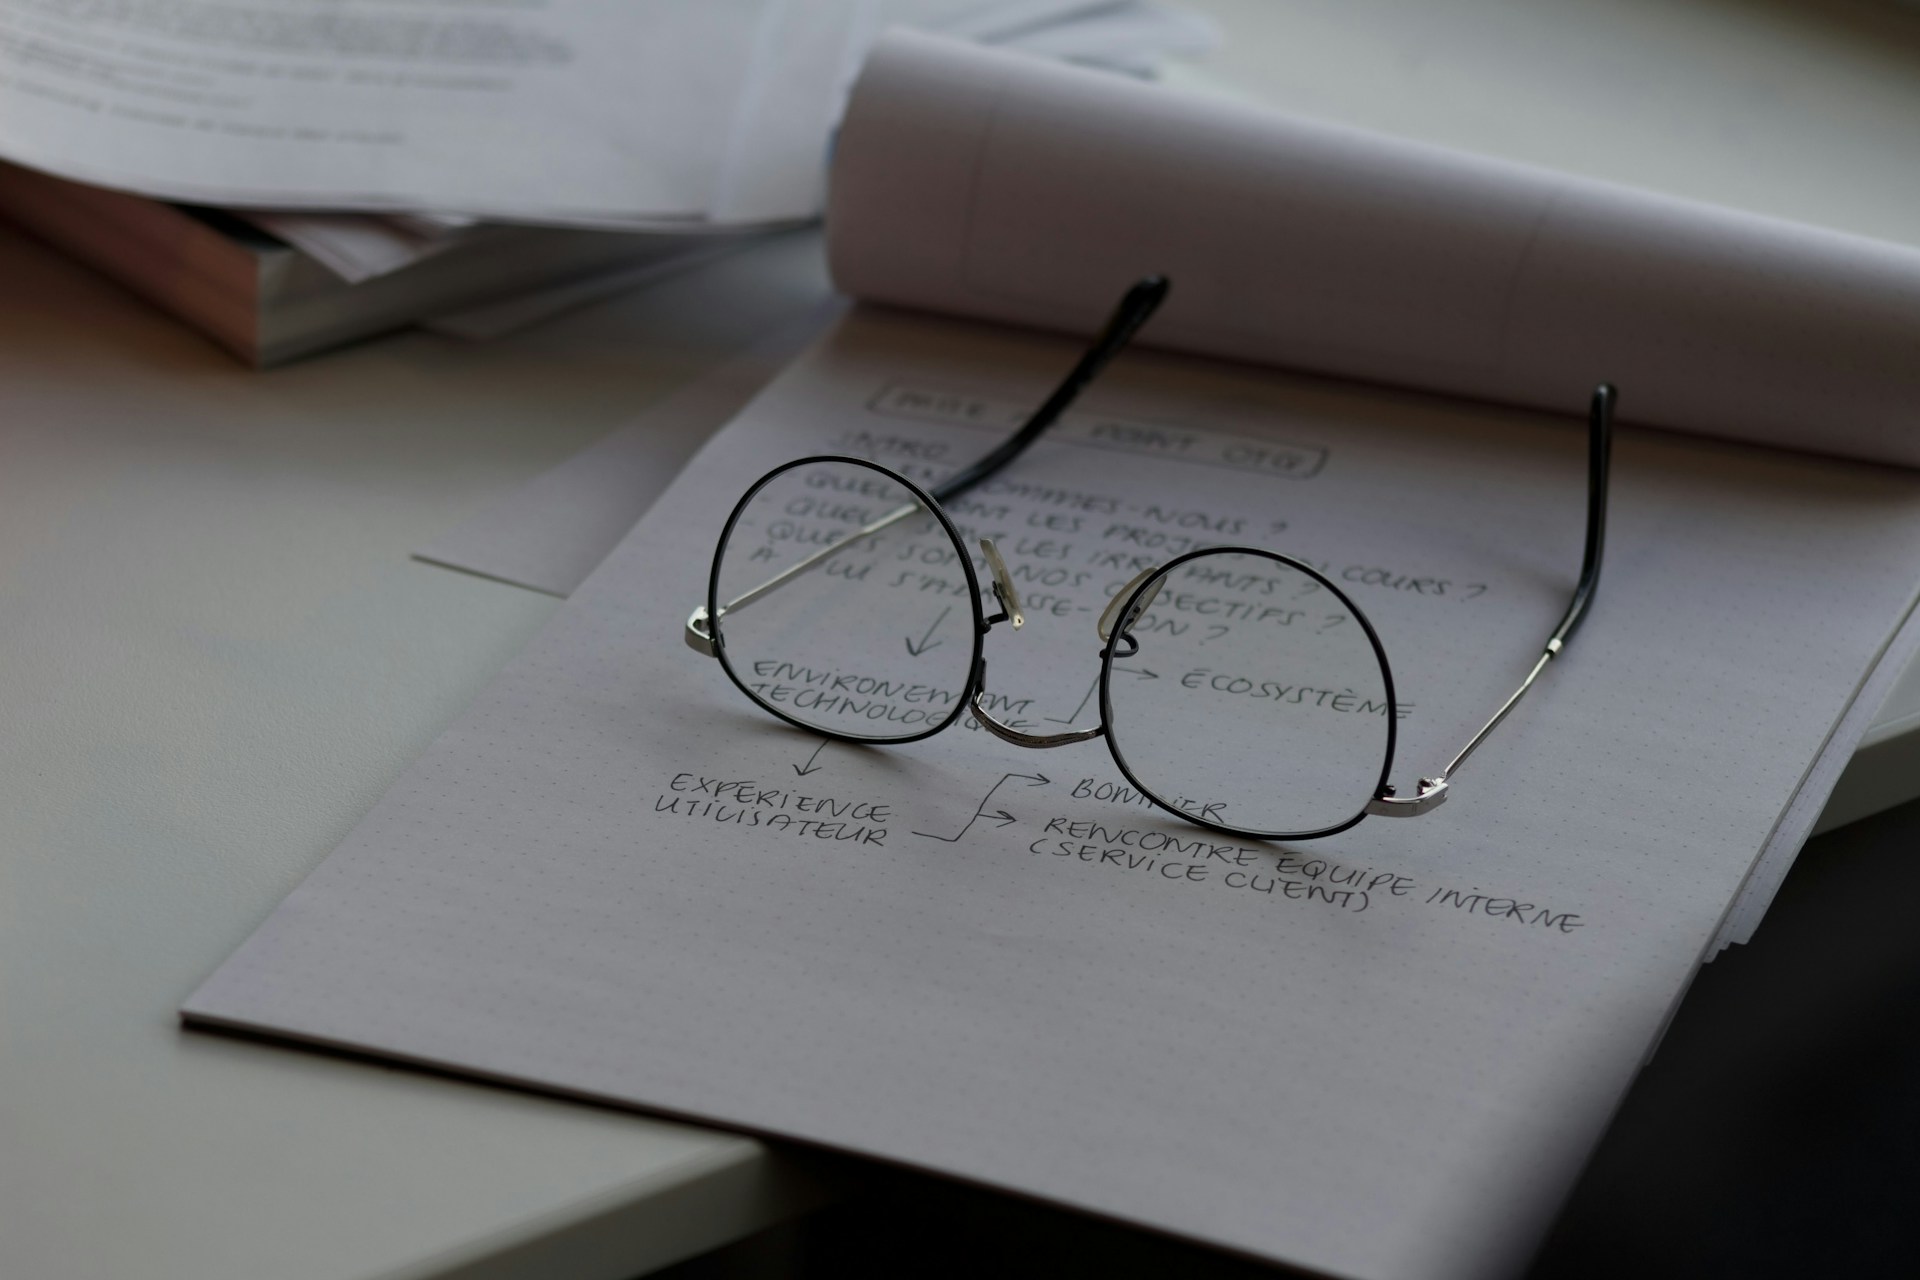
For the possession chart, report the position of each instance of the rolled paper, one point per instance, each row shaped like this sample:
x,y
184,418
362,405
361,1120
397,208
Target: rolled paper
x,y
996,185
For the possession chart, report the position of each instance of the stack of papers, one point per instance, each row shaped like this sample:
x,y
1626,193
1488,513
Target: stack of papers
x,y
379,135
318,173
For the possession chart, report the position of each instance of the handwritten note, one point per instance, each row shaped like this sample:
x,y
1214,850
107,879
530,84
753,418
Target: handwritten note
x,y
1380,1054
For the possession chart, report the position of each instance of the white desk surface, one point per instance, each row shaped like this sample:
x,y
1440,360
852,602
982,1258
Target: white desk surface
x,y
214,656
215,653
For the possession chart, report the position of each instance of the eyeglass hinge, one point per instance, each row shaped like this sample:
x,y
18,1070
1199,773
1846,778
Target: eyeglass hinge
x,y
1432,794
699,634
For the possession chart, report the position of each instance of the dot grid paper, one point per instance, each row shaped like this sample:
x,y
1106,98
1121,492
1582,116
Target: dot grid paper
x,y
1384,1054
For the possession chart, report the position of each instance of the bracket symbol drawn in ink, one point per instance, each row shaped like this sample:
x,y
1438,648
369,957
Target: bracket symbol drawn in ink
x,y
917,649
810,766
1000,816
1138,672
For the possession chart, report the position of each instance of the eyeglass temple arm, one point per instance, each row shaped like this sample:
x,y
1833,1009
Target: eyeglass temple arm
x,y
1599,467
1433,790
1136,306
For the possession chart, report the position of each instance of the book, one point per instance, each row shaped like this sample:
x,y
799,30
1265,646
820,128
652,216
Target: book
x,y
1384,1053
268,302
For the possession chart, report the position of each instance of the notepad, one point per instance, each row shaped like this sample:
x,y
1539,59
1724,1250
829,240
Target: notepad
x,y
1382,1054
612,879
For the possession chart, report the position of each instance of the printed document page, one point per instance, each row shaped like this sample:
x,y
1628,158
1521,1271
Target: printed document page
x,y
570,109
1382,1054
633,114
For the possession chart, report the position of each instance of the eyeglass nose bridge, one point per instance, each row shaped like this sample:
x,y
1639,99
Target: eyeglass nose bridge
x,y
1009,597
1113,630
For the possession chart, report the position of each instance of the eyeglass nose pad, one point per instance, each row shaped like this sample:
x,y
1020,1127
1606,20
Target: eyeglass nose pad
x,y
1109,622
1003,584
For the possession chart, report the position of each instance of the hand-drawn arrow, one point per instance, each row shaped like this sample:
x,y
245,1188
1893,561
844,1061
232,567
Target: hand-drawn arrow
x,y
810,766
1000,816
923,646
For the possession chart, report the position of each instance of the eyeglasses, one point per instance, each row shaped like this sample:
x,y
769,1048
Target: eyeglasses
x,y
843,600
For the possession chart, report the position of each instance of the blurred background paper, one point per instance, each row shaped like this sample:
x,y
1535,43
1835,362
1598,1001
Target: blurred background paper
x,y
326,172
572,111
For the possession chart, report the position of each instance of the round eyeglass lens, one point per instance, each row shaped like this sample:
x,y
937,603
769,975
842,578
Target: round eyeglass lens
x,y
844,604
1266,707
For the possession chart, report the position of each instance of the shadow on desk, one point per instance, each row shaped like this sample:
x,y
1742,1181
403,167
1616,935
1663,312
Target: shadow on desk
x,y
1776,1132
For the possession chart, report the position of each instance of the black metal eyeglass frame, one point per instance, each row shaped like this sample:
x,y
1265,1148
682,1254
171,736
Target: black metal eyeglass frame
x,y
705,631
